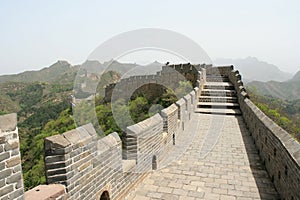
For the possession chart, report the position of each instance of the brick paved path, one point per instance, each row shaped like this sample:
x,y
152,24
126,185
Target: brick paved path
x,y
227,166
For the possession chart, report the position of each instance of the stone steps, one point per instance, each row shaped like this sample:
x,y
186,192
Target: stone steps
x,y
218,111
218,97
218,87
217,105
217,79
209,92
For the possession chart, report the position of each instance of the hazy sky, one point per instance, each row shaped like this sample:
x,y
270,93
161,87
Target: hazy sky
x,y
35,34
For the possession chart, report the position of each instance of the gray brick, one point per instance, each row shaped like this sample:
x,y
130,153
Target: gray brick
x,y
6,190
2,165
57,158
13,161
11,145
2,183
19,184
16,194
17,169
2,139
5,173
4,156
15,152
14,178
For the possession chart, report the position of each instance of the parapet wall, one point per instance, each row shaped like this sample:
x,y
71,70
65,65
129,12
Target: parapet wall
x,y
11,180
79,165
278,150
88,167
168,77
219,71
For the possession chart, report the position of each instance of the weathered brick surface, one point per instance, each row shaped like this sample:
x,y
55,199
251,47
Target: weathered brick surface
x,y
11,184
278,150
87,166
170,123
13,161
182,114
97,164
47,192
168,77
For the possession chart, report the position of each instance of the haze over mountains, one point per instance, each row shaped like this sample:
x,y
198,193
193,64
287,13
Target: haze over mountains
x,y
267,78
287,90
63,72
253,69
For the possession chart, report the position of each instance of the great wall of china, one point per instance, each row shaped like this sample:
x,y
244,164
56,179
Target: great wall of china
x,y
253,157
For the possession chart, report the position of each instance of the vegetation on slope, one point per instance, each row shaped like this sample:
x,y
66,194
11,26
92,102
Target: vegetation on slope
x,y
289,90
60,72
286,113
44,110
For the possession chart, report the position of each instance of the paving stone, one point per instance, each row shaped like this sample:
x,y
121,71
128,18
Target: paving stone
x,y
226,172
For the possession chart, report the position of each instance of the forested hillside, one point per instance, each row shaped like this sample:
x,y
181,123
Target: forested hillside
x,y
289,90
44,109
286,113
33,132
60,72
42,100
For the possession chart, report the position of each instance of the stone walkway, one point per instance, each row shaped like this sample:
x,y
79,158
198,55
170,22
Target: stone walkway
x,y
214,158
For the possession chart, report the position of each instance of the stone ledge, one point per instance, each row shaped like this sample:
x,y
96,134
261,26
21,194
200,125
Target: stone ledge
x,y
128,165
109,141
144,126
8,122
282,136
46,192
169,110
180,102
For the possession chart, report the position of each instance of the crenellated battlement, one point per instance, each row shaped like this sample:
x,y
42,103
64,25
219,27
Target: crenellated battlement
x,y
279,152
168,77
79,165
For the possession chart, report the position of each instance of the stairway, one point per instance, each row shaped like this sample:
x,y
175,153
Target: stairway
x,y
218,97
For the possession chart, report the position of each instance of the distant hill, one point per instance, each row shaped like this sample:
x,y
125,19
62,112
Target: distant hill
x,y
63,72
59,72
296,77
289,90
253,69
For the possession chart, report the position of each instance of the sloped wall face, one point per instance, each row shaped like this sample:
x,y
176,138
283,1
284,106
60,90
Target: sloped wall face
x,y
149,142
170,126
181,72
89,167
11,181
189,107
219,71
169,78
70,160
182,114
277,149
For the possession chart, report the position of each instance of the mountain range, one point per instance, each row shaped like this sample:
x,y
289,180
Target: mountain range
x,y
253,69
267,78
286,90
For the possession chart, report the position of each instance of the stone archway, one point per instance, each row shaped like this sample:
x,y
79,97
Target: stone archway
x,y
105,196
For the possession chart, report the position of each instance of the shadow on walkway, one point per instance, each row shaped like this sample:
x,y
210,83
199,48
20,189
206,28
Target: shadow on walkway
x,y
263,181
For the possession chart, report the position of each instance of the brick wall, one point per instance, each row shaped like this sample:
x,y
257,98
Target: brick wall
x,y
11,180
169,78
277,149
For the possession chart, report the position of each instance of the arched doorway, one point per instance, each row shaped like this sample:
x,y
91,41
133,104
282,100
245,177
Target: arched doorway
x,y
104,196
154,163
